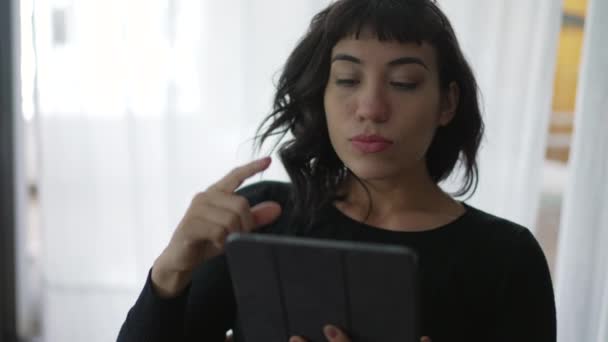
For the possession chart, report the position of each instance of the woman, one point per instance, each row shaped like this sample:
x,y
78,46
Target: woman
x,y
382,106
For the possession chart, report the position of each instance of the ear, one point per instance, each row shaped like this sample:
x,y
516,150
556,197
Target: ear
x,y
449,104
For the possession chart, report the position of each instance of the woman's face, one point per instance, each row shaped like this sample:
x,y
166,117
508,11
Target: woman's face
x,y
383,104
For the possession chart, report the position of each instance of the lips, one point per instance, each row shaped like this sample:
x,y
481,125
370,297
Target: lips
x,y
372,143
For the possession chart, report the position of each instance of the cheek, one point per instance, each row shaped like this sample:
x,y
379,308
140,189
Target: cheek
x,y
331,117
338,103
421,111
417,126
338,108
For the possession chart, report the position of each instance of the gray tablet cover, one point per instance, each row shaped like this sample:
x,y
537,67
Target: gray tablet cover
x,y
287,286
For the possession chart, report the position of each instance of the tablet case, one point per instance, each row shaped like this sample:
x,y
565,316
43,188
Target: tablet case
x,y
286,286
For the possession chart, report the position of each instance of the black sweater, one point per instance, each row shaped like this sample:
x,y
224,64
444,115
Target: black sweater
x,y
482,278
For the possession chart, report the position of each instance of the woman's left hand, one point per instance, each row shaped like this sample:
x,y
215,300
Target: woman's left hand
x,y
334,334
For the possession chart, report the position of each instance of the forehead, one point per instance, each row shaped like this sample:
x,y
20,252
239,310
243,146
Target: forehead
x,y
369,48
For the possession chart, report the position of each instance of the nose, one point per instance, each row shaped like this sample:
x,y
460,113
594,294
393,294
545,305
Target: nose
x,y
373,104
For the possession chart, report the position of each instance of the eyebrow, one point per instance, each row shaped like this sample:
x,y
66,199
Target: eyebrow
x,y
393,63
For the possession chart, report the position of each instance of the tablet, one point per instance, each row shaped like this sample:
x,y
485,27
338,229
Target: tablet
x,y
286,286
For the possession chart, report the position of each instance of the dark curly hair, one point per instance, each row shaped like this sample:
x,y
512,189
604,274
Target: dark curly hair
x,y
313,166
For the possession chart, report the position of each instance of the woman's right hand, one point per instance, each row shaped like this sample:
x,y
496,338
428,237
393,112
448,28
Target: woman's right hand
x,y
202,232
335,334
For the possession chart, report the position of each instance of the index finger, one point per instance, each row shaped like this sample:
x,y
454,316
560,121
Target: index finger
x,y
238,175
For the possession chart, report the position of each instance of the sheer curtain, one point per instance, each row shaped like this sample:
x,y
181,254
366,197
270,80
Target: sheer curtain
x,y
511,46
582,265
143,103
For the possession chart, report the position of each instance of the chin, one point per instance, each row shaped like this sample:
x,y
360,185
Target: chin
x,y
372,171
370,168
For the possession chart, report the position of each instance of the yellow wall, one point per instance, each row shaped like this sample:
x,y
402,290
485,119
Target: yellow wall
x,y
576,7
568,61
566,78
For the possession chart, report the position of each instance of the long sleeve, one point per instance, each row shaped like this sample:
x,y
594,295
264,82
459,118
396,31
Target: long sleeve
x,y
206,309
153,318
527,312
203,312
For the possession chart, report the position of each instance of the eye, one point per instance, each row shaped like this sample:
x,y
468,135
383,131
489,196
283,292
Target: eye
x,y
404,85
347,82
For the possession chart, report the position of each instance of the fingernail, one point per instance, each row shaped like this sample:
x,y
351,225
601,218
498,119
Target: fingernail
x,y
331,332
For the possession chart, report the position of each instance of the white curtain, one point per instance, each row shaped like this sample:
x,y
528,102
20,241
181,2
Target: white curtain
x,y
582,265
511,46
143,103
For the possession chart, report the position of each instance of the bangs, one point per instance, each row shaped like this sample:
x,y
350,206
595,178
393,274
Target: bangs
x,y
389,20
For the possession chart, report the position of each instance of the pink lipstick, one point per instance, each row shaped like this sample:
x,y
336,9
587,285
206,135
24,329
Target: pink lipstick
x,y
370,143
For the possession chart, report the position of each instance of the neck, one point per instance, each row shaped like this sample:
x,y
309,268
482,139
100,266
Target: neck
x,y
410,192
